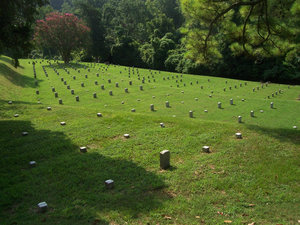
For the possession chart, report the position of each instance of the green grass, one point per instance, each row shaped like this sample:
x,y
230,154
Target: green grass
x,y
255,179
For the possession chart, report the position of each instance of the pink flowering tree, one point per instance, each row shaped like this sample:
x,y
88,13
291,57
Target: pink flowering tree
x,y
63,32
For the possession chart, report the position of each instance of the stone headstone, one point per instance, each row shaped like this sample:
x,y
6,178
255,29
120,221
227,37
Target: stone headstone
x,y
96,82
49,108
191,114
99,114
126,136
162,125
32,164
83,149
219,105
86,76
252,113
42,207
206,149
24,133
72,92
167,104
94,95
126,90
82,84
55,94
231,101
53,89
205,110
77,98
60,101
117,84
130,82
109,184
141,87
68,87
110,93
62,123
37,92
238,135
102,86
152,107
132,110
16,115
239,119
164,159
272,105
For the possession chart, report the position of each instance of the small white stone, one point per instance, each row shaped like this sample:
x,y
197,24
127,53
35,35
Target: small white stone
x,y
206,149
238,135
109,184
42,206
83,149
32,163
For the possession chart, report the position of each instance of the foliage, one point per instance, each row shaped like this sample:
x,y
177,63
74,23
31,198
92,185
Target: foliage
x,y
16,19
257,29
65,32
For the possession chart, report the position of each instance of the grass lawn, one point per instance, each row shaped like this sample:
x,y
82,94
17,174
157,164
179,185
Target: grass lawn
x,y
242,181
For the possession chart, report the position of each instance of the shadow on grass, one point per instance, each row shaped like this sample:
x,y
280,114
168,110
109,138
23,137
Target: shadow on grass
x,y
8,110
15,77
283,135
71,182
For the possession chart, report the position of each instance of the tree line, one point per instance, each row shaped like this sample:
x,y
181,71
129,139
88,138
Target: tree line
x,y
243,39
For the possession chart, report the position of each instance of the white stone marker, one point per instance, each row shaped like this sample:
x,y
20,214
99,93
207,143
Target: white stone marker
x,y
294,127
55,94
117,84
83,149
164,159
24,133
219,105
95,95
60,101
132,110
196,99
102,86
62,123
99,114
16,115
86,76
82,84
77,98
239,119
238,135
68,87
110,93
167,104
272,105
72,92
162,125
32,164
141,87
10,102
126,136
49,108
152,107
252,113
261,111
191,114
126,90
37,92
53,89
206,149
74,77
42,207
231,101
205,110
96,82
109,184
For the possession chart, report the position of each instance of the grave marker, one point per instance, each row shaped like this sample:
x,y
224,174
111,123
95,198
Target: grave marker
x,y
164,159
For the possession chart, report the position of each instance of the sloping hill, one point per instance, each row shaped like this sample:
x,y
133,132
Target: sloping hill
x,y
253,179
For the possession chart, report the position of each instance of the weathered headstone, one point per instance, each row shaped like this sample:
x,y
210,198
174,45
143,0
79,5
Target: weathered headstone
x,y
109,184
162,125
141,87
94,95
231,101
152,107
110,93
206,149
77,98
82,84
32,164
219,105
126,136
191,114
99,114
167,104
252,113
272,105
37,92
238,135
164,159
239,119
42,207
60,101
83,149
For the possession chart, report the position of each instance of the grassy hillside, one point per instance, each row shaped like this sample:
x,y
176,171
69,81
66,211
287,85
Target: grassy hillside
x,y
254,179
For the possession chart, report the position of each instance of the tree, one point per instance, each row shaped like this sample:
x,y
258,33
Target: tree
x,y
64,32
251,28
16,19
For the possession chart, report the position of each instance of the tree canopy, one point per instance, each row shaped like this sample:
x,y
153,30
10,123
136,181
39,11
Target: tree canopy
x,y
64,32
